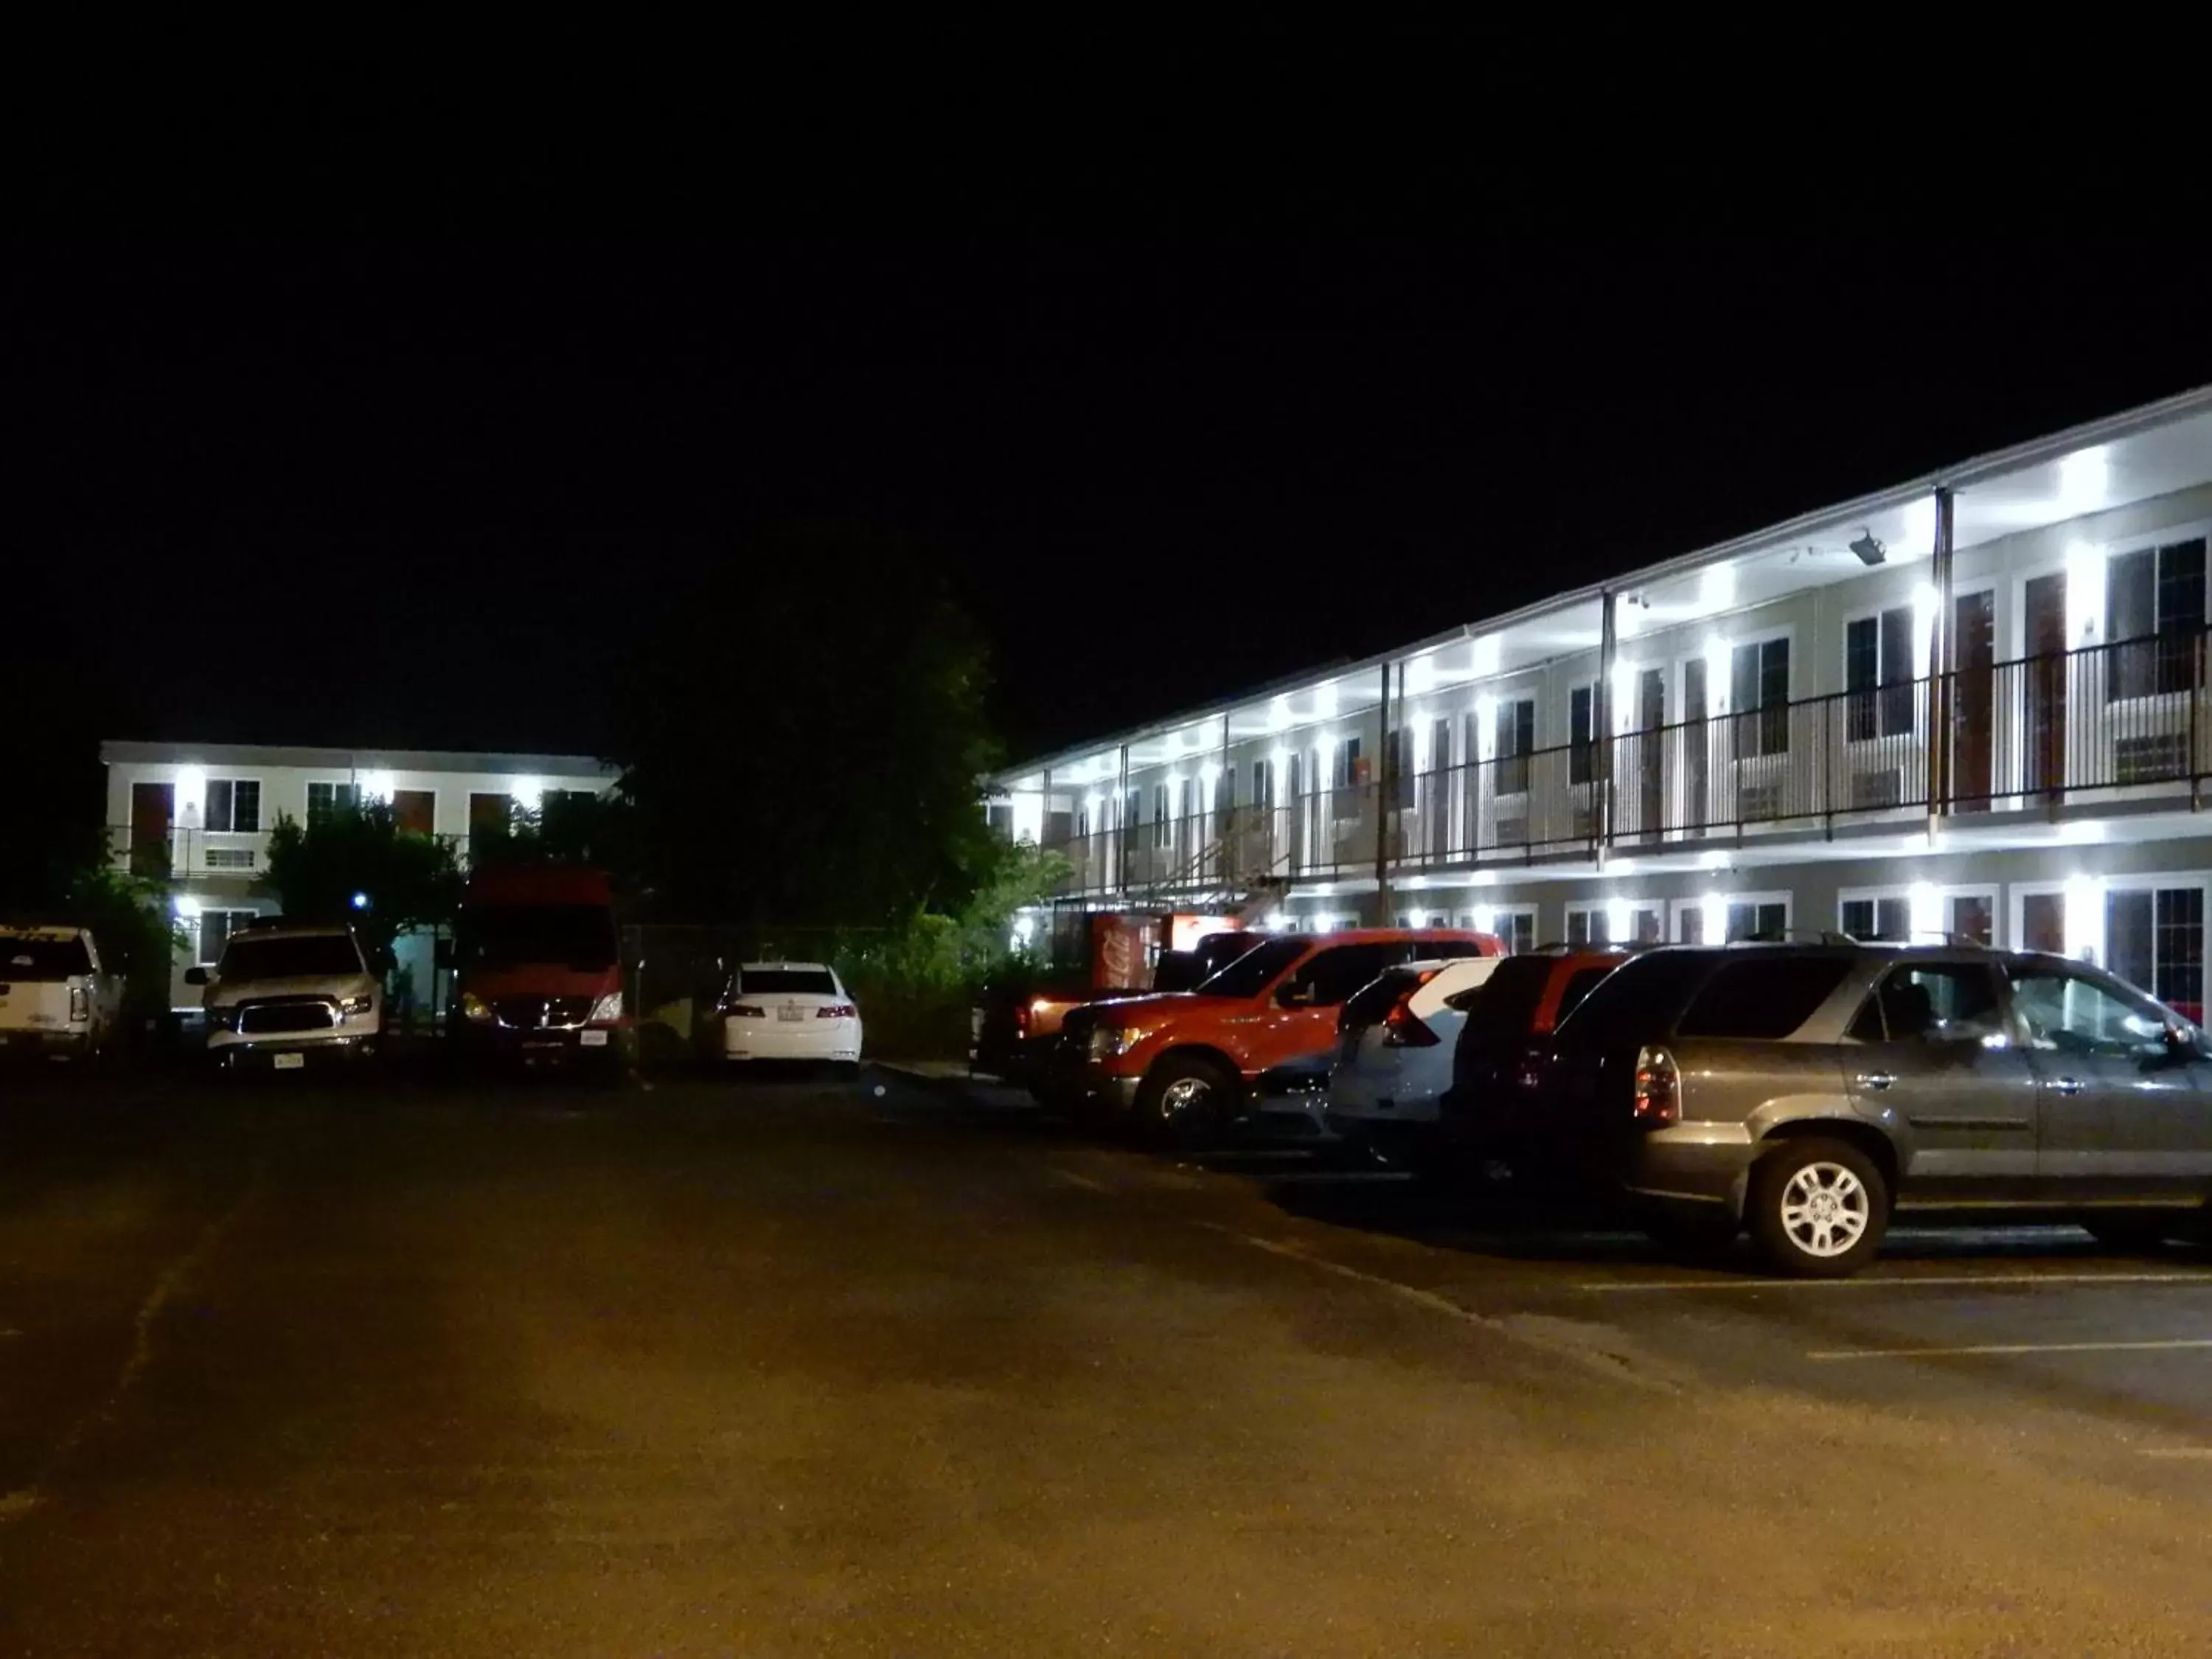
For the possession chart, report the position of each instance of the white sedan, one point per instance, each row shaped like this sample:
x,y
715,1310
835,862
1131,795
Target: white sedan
x,y
1395,1054
789,1010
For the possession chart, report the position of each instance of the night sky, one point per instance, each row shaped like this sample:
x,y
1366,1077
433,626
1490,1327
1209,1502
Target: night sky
x,y
387,493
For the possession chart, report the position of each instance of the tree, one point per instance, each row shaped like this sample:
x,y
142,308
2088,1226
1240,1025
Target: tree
x,y
130,921
804,738
407,881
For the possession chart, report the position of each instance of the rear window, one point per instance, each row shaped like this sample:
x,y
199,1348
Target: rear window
x,y
1762,996
1251,973
773,981
1639,996
1374,1002
1580,984
1503,1007
42,960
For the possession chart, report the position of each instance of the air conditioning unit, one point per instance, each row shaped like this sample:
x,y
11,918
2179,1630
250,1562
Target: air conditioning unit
x,y
1885,787
2150,759
1755,801
1510,831
230,858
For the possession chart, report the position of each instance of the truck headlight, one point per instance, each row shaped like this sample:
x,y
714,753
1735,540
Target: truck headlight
x,y
474,1008
608,1006
1109,1041
359,1005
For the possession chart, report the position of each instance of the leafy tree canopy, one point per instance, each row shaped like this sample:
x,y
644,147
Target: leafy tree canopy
x,y
805,738
314,870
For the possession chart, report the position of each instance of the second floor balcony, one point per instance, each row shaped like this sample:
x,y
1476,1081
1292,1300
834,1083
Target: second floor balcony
x,y
2122,725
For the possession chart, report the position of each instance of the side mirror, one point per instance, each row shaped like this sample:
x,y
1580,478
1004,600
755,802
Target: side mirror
x,y
196,977
442,953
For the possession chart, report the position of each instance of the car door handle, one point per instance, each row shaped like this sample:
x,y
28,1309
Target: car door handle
x,y
2067,1085
1876,1080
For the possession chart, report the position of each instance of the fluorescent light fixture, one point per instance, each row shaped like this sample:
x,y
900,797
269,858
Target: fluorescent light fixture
x,y
1278,715
187,906
1616,921
1420,676
2084,478
1489,654
1714,860
376,785
1918,539
1716,588
2085,592
528,792
1714,909
191,791
1483,918
1926,907
1325,703
2085,918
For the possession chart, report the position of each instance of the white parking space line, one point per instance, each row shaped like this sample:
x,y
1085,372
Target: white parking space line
x,y
1082,1181
1892,1282
2008,1349
2176,1451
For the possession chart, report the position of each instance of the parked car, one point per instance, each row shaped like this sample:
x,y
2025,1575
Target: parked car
x,y
1395,1040
1809,1090
1502,1046
1180,1067
537,968
789,1010
1016,1022
285,991
56,1000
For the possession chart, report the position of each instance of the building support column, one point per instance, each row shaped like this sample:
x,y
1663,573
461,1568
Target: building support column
x,y
1601,714
1386,795
1224,815
1940,667
1122,837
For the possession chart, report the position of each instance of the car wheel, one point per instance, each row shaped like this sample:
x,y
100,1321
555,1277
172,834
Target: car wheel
x,y
2139,1232
1185,1101
1819,1208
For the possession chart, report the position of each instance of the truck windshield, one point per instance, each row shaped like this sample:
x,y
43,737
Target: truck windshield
x,y
42,959
510,935
302,955
1254,971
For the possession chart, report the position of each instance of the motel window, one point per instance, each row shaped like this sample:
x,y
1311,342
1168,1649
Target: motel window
x,y
1515,736
234,804
1347,764
1757,919
1582,734
416,811
2154,612
1263,783
2154,939
2043,923
216,927
1401,768
1759,697
327,800
1888,919
1440,746
1878,675
1972,915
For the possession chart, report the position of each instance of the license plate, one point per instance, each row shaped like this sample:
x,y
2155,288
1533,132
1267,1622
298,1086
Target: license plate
x,y
793,1015
288,1062
592,1039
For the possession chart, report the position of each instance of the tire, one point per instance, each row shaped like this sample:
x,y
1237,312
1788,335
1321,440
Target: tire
x,y
1184,1102
1818,1208
2138,1232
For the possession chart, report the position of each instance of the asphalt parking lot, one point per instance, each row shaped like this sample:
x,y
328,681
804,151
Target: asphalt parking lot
x,y
795,1365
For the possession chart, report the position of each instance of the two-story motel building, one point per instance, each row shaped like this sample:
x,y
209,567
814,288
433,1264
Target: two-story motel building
x,y
1976,703
199,815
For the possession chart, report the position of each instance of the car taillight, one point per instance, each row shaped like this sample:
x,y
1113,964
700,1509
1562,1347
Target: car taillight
x,y
80,1005
835,1010
1403,1029
1658,1087
744,1011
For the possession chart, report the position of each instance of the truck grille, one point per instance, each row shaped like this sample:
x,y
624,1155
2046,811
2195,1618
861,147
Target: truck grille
x,y
279,1014
542,1013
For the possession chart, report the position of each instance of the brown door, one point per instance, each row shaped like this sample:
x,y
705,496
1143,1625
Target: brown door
x,y
490,818
2043,923
153,808
1650,774
415,810
2046,682
1974,698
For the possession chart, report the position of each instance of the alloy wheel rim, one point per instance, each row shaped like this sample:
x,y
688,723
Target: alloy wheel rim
x,y
1185,1095
1825,1209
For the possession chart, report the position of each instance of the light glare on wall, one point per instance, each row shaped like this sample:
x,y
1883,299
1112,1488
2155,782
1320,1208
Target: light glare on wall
x,y
2085,592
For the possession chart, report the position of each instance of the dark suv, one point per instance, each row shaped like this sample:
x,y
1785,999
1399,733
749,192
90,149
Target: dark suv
x,y
1809,1090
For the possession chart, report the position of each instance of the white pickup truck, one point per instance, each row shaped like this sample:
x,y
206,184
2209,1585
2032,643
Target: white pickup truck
x,y
56,1000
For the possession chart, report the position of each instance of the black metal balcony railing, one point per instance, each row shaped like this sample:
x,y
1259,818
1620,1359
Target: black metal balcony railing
x,y
2038,732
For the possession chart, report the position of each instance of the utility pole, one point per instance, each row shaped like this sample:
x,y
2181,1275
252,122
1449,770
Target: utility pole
x,y
1940,670
1602,744
1386,797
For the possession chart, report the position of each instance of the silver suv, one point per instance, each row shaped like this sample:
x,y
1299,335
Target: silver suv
x,y
1808,1090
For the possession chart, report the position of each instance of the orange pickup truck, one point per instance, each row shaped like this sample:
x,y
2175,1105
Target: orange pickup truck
x,y
1177,1067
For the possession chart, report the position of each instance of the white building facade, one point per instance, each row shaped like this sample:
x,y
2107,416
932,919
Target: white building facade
x,y
200,816
1976,704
